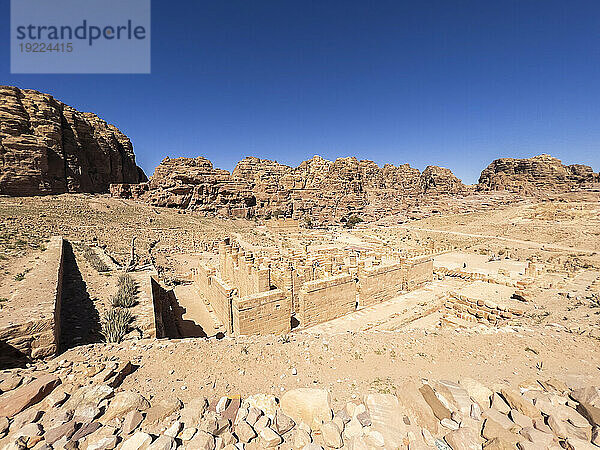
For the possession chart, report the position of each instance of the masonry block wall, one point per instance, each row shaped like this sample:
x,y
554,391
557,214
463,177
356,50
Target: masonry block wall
x,y
418,272
216,291
239,268
33,331
220,295
381,283
326,299
165,323
262,313
201,276
291,281
478,310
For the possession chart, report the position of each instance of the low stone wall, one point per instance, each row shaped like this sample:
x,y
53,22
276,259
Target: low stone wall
x,y
474,276
477,310
215,291
220,295
262,313
326,299
30,320
143,311
380,283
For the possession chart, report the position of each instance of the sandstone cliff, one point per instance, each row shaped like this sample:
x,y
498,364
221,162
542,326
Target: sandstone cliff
x,y
535,175
47,147
324,190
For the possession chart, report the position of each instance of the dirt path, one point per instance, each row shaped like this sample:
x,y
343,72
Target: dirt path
x,y
540,245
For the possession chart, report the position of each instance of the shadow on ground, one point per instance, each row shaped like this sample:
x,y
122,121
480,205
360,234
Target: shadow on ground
x,y
184,327
79,318
11,357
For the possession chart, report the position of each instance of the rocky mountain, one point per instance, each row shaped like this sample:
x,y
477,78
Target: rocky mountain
x,y
47,147
535,175
321,189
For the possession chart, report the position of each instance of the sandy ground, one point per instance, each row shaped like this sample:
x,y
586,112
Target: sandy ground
x,y
351,363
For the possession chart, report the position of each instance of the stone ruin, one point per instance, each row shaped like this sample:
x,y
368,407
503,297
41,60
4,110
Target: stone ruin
x,y
270,291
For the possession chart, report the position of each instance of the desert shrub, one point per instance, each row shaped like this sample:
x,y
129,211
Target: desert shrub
x,y
20,276
352,221
115,324
93,259
126,289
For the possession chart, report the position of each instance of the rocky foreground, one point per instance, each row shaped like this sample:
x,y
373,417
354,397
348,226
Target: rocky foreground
x,y
66,404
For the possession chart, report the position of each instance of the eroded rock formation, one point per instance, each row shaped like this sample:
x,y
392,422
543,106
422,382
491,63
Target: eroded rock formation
x,y
535,175
321,189
47,147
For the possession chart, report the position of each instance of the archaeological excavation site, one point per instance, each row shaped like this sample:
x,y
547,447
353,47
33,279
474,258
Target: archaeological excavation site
x,y
335,304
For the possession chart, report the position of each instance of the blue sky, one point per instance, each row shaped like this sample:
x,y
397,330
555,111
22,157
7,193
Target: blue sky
x,y
450,83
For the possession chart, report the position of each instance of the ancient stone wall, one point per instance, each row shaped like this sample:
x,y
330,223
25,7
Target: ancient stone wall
x,y
31,330
220,295
240,269
164,318
201,276
262,313
216,291
380,283
418,271
326,299
479,310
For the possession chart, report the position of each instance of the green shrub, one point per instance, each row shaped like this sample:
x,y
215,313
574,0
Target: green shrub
x,y
126,290
115,324
92,257
352,221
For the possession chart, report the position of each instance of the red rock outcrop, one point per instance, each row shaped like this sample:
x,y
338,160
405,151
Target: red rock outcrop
x,y
324,190
47,147
542,173
195,184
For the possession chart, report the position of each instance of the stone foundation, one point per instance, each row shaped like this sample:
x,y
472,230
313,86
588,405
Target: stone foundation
x,y
264,313
258,293
326,299
31,329
478,310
